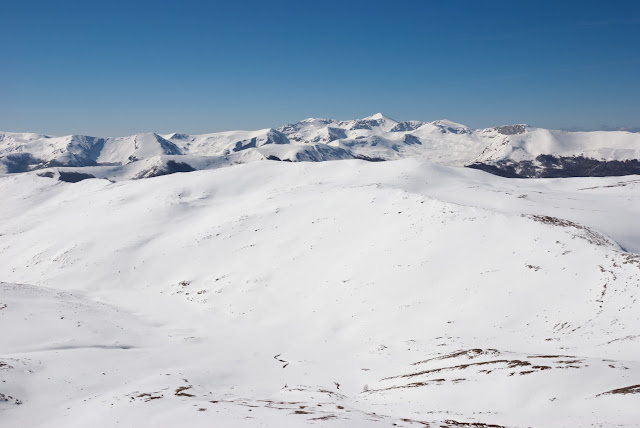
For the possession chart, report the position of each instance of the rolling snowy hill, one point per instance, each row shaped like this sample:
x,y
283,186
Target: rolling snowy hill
x,y
248,281
337,294
511,151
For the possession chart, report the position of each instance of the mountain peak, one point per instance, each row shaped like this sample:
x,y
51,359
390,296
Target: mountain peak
x,y
449,124
378,116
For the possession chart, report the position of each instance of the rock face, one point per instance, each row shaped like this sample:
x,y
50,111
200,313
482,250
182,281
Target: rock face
x,y
509,151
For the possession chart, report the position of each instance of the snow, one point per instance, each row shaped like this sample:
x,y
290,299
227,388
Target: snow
x,y
376,137
602,145
333,294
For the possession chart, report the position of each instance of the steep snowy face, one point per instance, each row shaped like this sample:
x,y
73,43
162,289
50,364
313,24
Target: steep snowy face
x,y
409,125
123,150
314,131
21,152
448,126
225,143
377,123
326,130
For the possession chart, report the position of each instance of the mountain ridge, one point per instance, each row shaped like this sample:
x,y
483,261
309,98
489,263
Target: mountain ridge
x,y
516,150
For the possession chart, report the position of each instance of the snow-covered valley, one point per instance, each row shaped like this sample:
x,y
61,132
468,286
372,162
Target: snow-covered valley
x,y
338,294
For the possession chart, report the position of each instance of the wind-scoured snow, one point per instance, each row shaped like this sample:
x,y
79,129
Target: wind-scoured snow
x,y
337,294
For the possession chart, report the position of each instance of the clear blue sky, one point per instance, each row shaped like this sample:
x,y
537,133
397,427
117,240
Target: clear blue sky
x,y
119,67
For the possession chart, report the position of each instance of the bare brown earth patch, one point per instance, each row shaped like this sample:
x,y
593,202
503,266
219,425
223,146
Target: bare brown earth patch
x,y
584,232
633,389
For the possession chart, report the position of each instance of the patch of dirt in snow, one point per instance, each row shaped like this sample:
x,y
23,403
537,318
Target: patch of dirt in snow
x,y
509,365
9,399
580,231
633,389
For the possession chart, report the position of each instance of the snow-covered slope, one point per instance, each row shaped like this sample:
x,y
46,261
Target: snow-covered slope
x,y
512,151
122,150
20,152
337,294
534,142
521,151
23,152
224,143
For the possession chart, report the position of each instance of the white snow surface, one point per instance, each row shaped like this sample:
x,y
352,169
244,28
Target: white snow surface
x,y
337,294
375,137
600,145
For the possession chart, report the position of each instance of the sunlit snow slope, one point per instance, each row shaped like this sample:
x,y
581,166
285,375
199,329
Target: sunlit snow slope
x,y
510,151
338,294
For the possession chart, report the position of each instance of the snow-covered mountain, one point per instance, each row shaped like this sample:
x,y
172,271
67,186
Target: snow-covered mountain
x,y
149,154
522,151
512,151
270,287
41,151
380,138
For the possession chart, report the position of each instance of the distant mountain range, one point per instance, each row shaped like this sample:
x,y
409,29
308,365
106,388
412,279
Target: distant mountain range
x,y
518,151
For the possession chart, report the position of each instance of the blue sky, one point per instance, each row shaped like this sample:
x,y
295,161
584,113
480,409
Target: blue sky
x,y
120,67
